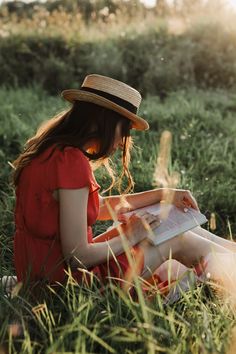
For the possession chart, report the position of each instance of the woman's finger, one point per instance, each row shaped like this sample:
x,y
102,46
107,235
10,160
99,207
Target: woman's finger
x,y
122,218
155,224
190,201
142,213
150,218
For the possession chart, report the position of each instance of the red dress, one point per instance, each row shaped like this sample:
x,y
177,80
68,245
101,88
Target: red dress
x,y
37,247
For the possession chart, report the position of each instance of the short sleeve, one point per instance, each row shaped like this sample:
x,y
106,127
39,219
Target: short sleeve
x,y
70,169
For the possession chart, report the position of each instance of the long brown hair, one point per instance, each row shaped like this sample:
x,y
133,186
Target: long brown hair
x,y
75,127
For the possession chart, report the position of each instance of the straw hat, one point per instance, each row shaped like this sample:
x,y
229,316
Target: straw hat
x,y
112,94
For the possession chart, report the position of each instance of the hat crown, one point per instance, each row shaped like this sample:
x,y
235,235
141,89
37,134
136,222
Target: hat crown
x,y
113,87
111,94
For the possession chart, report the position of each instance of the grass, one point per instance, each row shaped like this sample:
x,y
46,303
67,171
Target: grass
x,y
81,319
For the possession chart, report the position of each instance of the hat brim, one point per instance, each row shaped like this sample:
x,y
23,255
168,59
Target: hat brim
x,y
73,95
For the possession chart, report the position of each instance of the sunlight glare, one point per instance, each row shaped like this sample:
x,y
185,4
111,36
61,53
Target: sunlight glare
x,y
149,3
231,3
152,3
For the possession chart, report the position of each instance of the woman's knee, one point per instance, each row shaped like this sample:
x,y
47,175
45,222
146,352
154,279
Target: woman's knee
x,y
172,246
190,238
175,248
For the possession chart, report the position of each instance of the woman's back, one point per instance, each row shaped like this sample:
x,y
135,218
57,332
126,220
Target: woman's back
x,y
37,211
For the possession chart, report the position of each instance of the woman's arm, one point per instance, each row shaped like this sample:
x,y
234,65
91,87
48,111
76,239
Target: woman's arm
x,y
128,202
73,231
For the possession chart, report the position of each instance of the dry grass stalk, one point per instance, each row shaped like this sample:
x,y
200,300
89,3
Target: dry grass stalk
x,y
213,222
162,177
232,347
134,257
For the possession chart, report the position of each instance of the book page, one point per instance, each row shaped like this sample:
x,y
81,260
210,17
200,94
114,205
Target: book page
x,y
173,220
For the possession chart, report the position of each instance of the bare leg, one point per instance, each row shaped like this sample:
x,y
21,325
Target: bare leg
x,y
231,245
186,248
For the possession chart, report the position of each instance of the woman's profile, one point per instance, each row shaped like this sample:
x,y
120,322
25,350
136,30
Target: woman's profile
x,y
57,199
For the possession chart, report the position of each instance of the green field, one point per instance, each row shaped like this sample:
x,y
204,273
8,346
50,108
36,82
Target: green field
x,y
79,319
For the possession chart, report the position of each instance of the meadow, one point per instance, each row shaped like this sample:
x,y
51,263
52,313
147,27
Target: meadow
x,y
183,61
82,319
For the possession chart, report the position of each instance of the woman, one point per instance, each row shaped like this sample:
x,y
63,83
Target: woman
x,y
57,198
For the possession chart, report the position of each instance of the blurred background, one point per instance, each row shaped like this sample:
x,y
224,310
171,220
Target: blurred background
x,y
156,46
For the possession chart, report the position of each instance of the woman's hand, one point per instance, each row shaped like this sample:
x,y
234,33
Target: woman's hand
x,y
139,225
182,199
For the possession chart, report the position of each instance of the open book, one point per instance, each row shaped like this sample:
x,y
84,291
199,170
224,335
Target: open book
x,y
173,220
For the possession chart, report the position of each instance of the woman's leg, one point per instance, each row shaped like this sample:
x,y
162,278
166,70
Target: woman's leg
x,y
186,248
173,269
231,245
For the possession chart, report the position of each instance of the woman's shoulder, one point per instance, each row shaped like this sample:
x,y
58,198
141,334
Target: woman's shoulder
x,y
68,168
68,154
